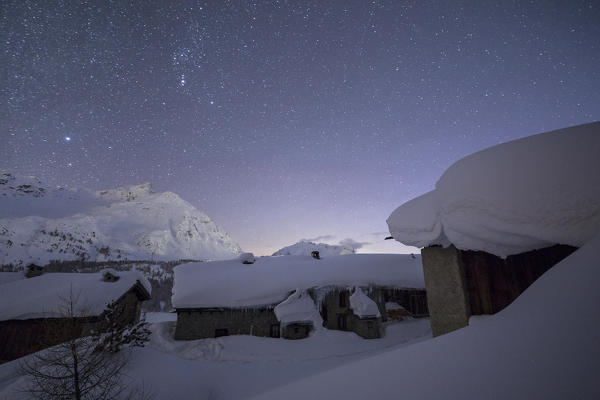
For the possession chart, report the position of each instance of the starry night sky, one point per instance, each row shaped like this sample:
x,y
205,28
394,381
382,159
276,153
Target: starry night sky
x,y
286,120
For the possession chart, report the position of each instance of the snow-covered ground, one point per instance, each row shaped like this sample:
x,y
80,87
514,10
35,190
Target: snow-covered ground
x,y
237,367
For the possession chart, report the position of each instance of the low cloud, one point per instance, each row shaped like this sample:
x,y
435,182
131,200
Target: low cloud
x,y
319,238
349,242
378,234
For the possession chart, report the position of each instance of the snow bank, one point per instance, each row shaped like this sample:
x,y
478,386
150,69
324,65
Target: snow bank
x,y
518,196
7,277
271,279
362,306
45,295
298,307
545,345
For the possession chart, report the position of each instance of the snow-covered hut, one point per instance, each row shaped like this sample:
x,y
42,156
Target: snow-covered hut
x,y
34,312
33,270
292,295
500,218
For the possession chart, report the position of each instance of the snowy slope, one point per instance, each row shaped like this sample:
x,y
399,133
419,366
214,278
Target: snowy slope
x,y
39,224
514,197
545,345
305,248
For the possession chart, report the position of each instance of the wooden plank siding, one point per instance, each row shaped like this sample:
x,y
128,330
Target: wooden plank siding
x,y
493,283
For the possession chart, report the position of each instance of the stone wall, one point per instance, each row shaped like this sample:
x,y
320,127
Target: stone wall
x,y
296,331
198,323
201,323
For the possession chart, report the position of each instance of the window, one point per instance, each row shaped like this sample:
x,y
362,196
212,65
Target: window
x,y
275,331
343,302
369,324
221,332
342,325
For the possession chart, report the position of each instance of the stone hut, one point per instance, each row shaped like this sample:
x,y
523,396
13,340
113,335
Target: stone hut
x,y
33,270
33,314
500,218
291,296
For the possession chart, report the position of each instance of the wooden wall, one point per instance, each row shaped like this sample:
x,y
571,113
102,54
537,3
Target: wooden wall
x,y
493,283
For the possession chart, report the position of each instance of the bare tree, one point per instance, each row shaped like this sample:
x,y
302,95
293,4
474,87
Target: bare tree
x,y
81,367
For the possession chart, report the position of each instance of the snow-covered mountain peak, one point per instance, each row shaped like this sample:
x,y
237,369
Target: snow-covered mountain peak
x,y
305,247
132,223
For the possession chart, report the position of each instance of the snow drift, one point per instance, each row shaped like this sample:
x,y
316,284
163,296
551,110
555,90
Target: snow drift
x,y
518,196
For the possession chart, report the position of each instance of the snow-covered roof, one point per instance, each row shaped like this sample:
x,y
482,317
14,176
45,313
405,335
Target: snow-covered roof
x,y
45,295
298,307
518,196
270,279
362,306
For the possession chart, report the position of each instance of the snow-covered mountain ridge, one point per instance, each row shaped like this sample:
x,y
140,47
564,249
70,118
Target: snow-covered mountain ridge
x,y
305,247
40,223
